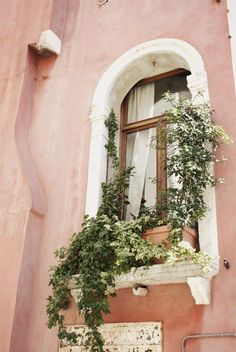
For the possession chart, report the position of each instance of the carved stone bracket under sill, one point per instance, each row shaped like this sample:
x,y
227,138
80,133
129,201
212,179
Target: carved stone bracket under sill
x,y
160,274
200,288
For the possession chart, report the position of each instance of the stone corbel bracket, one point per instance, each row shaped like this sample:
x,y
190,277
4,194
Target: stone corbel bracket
x,y
49,44
160,274
200,288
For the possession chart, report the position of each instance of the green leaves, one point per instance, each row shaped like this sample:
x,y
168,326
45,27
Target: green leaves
x,y
112,128
107,246
184,252
114,190
92,255
191,138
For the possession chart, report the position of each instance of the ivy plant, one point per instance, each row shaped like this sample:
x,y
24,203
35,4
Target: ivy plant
x,y
191,140
107,245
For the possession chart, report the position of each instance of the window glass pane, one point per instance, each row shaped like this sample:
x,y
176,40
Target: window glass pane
x,y
176,85
144,102
147,100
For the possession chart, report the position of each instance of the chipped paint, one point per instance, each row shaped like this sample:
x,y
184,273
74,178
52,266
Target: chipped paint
x,y
121,337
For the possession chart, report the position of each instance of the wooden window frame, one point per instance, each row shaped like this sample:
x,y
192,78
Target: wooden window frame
x,y
128,128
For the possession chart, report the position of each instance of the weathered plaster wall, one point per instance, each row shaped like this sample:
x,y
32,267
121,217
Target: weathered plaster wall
x,y
58,142
17,28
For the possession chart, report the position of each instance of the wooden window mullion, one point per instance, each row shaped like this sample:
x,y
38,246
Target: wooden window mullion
x,y
123,134
161,161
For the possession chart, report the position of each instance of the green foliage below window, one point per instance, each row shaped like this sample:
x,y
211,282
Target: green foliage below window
x,y
107,245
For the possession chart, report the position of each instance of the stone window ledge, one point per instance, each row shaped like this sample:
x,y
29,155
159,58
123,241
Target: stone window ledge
x,y
184,272
160,274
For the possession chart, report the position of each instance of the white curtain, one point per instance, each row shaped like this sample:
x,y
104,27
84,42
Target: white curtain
x,y
141,104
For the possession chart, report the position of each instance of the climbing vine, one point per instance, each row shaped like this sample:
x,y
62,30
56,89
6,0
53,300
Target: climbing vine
x,y
192,140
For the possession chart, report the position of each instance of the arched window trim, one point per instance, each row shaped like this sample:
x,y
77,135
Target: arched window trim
x,y
110,92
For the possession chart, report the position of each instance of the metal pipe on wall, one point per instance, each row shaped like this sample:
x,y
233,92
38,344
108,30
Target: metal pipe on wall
x,y
199,336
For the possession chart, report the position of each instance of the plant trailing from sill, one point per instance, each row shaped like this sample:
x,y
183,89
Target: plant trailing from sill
x,y
105,247
108,246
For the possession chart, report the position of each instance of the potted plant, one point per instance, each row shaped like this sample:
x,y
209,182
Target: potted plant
x,y
108,246
192,140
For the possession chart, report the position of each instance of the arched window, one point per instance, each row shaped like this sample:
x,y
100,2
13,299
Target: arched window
x,y
147,59
141,109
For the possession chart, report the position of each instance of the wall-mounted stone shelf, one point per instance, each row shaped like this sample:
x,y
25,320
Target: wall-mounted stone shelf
x,y
120,337
160,274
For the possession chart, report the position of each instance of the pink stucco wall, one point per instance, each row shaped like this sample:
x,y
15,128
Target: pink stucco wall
x,y
44,156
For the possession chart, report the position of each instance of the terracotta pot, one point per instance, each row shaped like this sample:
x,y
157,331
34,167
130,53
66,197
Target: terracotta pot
x,y
160,233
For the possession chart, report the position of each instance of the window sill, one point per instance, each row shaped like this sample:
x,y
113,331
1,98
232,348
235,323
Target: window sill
x,y
160,274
